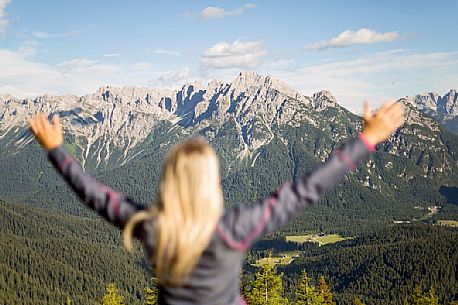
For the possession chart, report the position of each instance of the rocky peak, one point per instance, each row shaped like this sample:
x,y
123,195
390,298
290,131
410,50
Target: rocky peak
x,y
323,99
425,100
448,104
431,101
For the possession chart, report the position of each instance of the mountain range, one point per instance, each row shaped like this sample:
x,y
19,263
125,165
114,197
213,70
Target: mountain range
x,y
264,131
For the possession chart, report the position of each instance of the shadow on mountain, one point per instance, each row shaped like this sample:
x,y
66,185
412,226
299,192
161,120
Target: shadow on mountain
x,y
450,192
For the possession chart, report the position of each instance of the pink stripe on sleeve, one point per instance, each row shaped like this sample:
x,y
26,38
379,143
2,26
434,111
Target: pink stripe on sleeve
x,y
370,147
345,158
65,162
245,243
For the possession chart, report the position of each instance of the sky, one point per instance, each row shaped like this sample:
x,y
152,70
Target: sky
x,y
359,50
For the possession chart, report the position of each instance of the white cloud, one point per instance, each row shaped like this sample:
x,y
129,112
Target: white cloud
x,y
111,55
218,12
175,78
239,54
3,21
23,77
348,38
44,35
166,52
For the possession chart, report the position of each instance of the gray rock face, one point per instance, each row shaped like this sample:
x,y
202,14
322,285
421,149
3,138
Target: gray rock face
x,y
445,105
323,99
115,120
448,104
444,109
114,117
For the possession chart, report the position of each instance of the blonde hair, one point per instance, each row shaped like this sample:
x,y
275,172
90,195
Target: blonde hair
x,y
187,211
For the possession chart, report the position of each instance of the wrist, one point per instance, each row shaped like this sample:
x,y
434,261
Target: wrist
x,y
52,146
369,140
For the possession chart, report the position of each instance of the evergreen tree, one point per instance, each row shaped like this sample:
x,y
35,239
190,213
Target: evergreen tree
x,y
433,298
112,296
267,289
417,296
324,292
306,293
151,296
424,298
357,301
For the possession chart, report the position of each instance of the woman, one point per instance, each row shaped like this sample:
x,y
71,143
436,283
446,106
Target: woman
x,y
196,247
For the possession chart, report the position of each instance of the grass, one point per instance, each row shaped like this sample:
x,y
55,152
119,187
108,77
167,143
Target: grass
x,y
315,238
450,223
283,258
286,257
300,239
330,239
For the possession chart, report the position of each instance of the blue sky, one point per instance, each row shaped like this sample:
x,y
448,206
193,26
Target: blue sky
x,y
356,49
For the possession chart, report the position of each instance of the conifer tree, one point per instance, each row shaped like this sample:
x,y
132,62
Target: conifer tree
x,y
433,298
424,298
417,296
151,296
112,296
267,289
357,301
324,292
306,293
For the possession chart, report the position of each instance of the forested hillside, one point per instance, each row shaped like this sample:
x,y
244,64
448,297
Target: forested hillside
x,y
47,256
384,266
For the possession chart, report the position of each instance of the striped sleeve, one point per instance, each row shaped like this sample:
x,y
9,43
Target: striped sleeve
x,y
241,226
115,207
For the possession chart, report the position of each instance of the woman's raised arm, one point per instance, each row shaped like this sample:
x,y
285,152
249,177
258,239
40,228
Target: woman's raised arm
x,y
241,226
112,205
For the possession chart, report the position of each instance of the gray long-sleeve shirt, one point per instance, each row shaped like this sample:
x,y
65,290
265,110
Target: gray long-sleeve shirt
x,y
215,278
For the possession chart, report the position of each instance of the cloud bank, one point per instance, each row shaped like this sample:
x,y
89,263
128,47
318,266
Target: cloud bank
x,y
218,12
349,37
238,54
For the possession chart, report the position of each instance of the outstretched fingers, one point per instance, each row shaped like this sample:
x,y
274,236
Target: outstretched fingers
x,y
386,107
367,111
396,114
44,122
56,122
33,125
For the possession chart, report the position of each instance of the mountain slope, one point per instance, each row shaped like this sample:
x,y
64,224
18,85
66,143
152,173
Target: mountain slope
x,y
48,256
264,132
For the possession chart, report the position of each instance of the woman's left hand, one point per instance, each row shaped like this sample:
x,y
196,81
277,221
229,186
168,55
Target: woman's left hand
x,y
49,135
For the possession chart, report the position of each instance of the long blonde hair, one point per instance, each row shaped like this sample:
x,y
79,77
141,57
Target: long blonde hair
x,y
187,210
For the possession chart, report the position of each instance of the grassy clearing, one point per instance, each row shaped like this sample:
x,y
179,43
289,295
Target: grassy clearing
x,y
315,238
300,239
450,223
283,258
286,257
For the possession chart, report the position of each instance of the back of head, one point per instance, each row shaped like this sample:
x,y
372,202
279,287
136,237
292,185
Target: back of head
x,y
189,206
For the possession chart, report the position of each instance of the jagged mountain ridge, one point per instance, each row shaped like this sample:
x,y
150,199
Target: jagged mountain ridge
x,y
264,131
446,105
115,121
123,117
443,108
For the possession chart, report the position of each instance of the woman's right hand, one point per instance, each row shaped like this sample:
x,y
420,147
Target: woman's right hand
x,y
380,125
